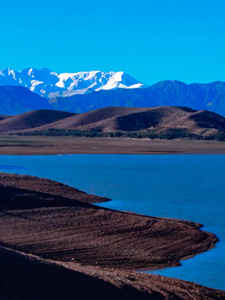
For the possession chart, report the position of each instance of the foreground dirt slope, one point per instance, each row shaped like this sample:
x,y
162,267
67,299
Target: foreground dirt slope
x,y
91,249
68,230
28,277
34,183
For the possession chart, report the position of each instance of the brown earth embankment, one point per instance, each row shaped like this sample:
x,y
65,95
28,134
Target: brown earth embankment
x,y
54,247
65,229
33,183
29,277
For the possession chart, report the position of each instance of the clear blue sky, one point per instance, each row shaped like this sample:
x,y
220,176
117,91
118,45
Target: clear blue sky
x,y
151,40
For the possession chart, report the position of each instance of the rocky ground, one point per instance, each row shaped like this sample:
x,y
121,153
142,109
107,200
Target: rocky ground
x,y
79,245
43,185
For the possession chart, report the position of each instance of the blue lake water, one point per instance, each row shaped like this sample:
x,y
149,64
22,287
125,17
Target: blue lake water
x,y
189,187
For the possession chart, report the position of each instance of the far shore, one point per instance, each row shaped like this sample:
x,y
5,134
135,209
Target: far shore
x,y
45,145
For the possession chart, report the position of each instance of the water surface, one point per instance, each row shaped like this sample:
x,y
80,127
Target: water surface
x,y
189,187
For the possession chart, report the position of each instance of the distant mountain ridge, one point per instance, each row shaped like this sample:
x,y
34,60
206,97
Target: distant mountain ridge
x,y
18,99
51,84
84,91
165,93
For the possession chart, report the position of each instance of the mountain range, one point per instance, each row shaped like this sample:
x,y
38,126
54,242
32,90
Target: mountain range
x,y
80,92
51,84
165,93
17,99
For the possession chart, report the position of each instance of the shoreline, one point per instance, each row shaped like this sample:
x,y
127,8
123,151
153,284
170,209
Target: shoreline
x,y
107,247
37,184
18,185
139,231
44,145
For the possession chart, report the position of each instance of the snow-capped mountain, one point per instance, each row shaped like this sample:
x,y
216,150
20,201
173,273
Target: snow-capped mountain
x,y
84,91
51,84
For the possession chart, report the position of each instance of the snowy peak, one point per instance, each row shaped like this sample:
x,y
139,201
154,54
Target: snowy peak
x,y
120,80
51,84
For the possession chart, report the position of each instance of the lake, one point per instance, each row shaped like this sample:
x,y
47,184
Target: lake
x,y
189,187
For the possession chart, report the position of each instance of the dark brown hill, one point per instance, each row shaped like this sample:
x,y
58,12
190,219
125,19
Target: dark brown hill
x,y
3,117
166,118
31,277
94,118
157,119
31,119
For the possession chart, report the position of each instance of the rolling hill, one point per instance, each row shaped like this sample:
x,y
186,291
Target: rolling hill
x,y
31,119
17,99
158,120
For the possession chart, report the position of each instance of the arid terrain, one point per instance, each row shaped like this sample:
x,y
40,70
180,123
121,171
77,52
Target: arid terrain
x,y
54,242
38,145
33,183
113,130
153,120
77,244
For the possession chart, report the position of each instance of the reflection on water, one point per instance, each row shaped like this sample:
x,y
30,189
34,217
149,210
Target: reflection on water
x,y
190,187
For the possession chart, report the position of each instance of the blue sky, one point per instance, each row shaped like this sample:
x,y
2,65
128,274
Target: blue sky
x,y
151,40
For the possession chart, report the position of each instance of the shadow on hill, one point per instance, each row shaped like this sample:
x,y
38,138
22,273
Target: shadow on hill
x,y
29,277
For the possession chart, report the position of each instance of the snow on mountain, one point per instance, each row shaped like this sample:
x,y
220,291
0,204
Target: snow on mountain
x,y
50,84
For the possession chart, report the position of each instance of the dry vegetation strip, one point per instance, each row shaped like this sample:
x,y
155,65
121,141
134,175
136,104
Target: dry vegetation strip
x,y
36,145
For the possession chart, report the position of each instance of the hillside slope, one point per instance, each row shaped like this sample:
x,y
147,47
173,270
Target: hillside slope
x,y
66,229
158,119
33,183
32,119
86,245
36,278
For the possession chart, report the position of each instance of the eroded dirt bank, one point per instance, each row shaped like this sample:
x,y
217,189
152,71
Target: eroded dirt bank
x,y
25,276
99,246
43,185
69,230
